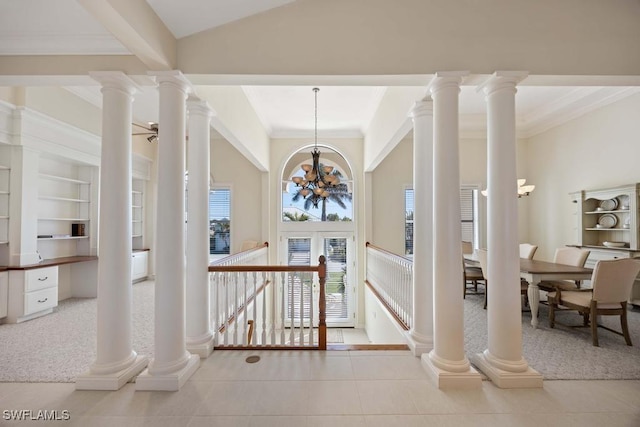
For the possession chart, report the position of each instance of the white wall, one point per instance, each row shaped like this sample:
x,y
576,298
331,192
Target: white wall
x,y
229,167
405,37
395,173
598,150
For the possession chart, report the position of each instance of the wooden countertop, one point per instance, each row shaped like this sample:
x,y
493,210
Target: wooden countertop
x,y
51,262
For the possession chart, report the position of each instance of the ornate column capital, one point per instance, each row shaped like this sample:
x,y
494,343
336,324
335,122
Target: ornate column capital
x,y
502,80
197,106
422,108
446,79
174,78
116,80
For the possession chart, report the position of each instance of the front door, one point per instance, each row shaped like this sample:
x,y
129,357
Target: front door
x,y
337,247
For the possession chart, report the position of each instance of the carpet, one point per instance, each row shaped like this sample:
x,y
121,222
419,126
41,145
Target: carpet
x,y
60,346
564,353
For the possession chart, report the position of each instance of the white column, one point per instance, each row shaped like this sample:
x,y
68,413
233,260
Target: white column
x,y
172,364
116,361
503,361
420,337
199,336
447,363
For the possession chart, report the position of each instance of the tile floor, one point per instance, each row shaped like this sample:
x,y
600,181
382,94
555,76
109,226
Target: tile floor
x,y
336,388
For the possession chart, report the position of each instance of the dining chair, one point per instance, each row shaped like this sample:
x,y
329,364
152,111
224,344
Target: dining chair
x,y
567,256
612,281
472,275
481,254
527,250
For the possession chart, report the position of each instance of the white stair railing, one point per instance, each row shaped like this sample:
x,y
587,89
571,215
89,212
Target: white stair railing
x,y
268,306
390,277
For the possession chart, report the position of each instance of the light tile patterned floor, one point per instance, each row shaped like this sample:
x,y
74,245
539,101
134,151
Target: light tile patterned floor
x,y
355,388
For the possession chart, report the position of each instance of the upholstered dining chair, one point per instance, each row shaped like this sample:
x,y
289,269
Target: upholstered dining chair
x,y
567,256
527,250
612,281
472,275
481,254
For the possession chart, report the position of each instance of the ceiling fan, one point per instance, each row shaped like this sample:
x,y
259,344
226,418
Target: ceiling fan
x,y
152,131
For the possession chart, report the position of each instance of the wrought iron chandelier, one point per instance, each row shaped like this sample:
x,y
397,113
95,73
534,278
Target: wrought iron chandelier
x,y
316,179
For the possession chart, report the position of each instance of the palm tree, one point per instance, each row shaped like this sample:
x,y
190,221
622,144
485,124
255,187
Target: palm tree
x,y
337,194
295,216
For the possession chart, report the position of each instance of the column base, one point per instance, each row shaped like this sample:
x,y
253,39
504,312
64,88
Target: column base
x,y
504,379
451,380
203,350
114,381
419,345
168,382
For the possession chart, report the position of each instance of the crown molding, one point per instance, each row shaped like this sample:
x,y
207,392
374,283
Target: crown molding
x,y
575,104
322,134
91,94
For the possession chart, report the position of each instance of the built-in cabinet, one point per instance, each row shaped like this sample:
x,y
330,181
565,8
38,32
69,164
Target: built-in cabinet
x,y
137,213
5,172
607,225
139,265
65,200
4,293
33,293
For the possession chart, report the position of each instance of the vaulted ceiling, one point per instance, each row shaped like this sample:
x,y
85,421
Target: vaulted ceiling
x,y
70,27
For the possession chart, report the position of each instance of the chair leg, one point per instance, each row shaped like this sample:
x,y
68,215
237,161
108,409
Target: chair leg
x,y
623,323
594,323
486,292
552,314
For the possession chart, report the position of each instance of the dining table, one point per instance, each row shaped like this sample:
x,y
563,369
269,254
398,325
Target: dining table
x,y
534,272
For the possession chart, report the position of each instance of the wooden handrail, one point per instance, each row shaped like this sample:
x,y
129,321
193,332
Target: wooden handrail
x,y
270,268
378,248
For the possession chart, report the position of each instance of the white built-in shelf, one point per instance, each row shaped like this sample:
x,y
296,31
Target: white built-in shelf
x,y
136,192
607,229
63,219
4,168
63,238
137,221
136,207
4,217
63,199
137,235
604,212
2,192
63,179
4,242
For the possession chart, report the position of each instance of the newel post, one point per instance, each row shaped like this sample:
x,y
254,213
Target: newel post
x,y
322,310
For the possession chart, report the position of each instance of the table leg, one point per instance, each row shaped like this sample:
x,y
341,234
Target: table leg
x,y
533,292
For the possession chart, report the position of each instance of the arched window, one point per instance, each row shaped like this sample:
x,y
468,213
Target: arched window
x,y
297,204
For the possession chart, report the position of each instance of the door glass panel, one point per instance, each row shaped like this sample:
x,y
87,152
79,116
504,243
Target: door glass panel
x,y
336,289
299,285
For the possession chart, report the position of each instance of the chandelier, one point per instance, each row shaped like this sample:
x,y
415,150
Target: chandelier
x,y
316,179
523,190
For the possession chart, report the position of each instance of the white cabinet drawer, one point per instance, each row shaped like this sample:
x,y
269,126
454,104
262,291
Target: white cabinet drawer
x,y
4,293
40,300
40,278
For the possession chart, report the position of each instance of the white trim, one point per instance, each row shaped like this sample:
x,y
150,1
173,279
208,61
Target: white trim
x,y
326,134
56,138
55,43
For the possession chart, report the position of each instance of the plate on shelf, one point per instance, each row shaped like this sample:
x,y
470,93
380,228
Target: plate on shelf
x,y
609,205
614,244
607,221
